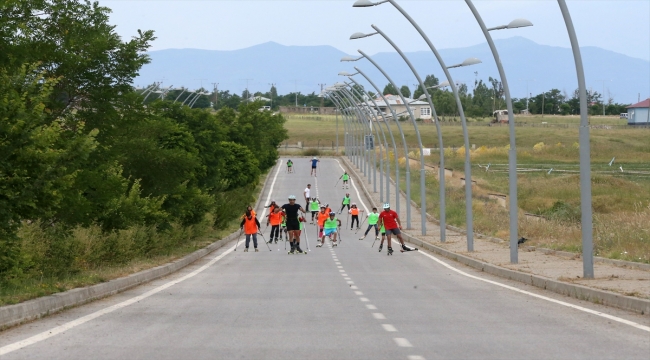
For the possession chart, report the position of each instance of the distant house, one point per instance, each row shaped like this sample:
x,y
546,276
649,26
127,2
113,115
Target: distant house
x,y
639,114
421,109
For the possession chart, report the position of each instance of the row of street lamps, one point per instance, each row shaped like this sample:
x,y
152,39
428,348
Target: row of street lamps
x,y
191,99
359,116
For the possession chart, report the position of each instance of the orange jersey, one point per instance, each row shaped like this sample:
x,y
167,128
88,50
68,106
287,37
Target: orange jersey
x,y
250,225
354,211
322,217
276,218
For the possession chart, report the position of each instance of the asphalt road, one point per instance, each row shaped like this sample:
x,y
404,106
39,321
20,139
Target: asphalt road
x,y
347,302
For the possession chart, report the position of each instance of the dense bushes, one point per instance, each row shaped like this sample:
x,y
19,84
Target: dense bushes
x,y
90,176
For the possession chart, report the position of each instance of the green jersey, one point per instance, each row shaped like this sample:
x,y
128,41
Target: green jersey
x,y
302,225
382,229
346,177
346,200
314,206
331,223
284,221
373,218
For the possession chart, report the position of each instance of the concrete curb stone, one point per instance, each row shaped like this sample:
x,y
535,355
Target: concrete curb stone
x,y
12,315
641,306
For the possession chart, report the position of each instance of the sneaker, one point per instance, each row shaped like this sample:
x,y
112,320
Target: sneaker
x,y
276,241
246,250
257,250
270,242
360,238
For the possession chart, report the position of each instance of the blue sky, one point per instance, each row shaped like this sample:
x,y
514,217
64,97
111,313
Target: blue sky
x,y
621,26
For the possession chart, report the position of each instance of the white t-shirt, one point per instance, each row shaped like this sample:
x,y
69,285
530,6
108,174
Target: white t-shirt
x,y
307,192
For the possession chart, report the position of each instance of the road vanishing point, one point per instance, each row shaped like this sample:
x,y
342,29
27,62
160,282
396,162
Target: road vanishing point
x,y
344,302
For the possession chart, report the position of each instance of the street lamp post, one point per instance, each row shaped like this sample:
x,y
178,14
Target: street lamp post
x,y
412,117
468,62
512,153
390,132
585,157
441,169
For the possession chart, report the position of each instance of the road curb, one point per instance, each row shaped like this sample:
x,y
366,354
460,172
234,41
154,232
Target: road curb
x,y
580,292
12,315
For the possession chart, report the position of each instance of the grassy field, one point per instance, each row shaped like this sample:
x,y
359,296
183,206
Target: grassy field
x,y
621,199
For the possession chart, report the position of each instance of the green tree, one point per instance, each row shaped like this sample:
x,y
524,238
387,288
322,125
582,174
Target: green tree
x,y
429,81
389,90
406,92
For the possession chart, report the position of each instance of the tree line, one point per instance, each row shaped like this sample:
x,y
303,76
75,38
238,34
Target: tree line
x,y
79,149
479,102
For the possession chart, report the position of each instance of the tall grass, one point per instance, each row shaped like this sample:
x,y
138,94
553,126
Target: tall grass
x,y
53,259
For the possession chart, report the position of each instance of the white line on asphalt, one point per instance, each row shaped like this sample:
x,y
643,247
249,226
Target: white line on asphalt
x,y
379,316
389,327
268,198
593,312
82,320
363,299
72,324
371,307
355,188
358,293
415,357
353,287
402,342
347,278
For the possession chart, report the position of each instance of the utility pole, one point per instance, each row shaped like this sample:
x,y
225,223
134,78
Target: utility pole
x,y
271,93
201,80
248,93
296,91
215,87
322,99
527,93
603,94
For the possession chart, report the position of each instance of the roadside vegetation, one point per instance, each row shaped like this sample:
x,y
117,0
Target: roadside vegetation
x,y
93,183
621,199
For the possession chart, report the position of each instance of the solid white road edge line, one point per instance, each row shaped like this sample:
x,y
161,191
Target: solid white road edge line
x,y
82,320
355,188
69,325
576,307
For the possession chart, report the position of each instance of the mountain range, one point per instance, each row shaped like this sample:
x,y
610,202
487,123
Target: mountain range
x,y
530,67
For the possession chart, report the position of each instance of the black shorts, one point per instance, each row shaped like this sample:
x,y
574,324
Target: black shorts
x,y
293,224
394,231
313,167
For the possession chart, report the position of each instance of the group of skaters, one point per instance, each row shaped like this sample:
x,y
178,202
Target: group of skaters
x,y
290,219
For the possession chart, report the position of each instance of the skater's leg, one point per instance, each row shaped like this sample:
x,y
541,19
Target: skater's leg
x,y
255,240
376,230
248,240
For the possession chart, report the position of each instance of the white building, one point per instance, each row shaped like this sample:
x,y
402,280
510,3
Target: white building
x,y
421,109
639,114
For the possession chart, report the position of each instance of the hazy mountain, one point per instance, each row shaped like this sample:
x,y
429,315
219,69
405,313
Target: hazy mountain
x,y
304,67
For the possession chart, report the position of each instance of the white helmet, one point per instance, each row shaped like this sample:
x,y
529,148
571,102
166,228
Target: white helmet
x,y
354,204
386,206
292,197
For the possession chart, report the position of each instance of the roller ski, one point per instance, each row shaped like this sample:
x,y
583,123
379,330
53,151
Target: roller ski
x,y
406,248
390,251
380,247
320,244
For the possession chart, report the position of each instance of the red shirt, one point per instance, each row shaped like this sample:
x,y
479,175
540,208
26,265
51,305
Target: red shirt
x,y
389,219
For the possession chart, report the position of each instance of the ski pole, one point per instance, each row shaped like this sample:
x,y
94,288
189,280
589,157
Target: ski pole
x,y
337,182
373,243
340,235
239,237
360,226
263,239
307,240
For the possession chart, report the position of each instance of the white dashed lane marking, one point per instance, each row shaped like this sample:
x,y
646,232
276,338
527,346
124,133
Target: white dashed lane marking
x,y
371,307
401,342
379,316
389,327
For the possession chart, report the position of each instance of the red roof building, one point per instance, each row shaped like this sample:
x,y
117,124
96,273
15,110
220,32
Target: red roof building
x,y
639,114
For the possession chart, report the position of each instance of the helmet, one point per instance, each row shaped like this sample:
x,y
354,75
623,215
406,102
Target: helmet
x,y
332,213
322,206
347,194
386,206
354,204
292,197
272,201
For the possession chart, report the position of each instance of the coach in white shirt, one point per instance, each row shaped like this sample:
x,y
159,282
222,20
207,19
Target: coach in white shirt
x,y
307,195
